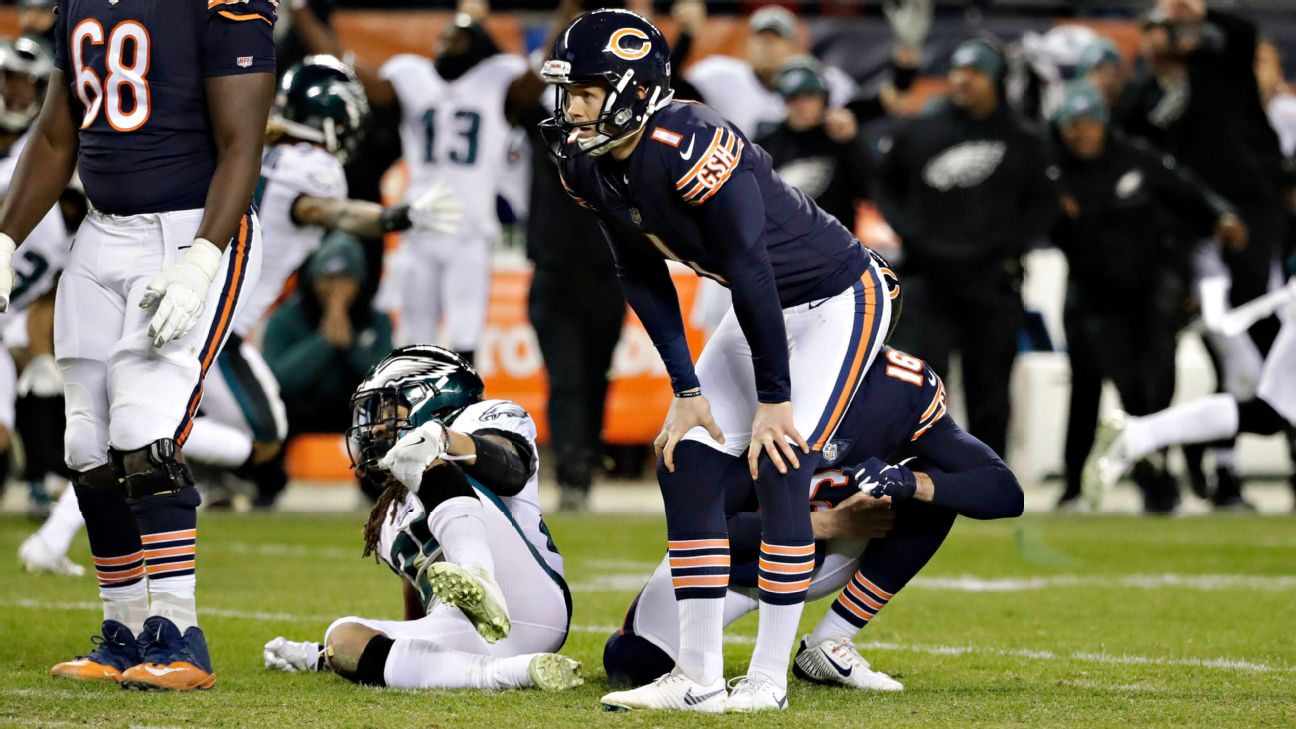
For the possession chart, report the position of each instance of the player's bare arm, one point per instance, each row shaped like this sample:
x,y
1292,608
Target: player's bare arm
x,y
239,105
437,209
42,174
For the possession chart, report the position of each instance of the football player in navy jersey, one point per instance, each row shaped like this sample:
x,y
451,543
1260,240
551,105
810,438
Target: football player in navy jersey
x,y
161,106
899,413
675,181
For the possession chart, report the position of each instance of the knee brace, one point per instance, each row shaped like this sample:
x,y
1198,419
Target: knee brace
x,y
154,470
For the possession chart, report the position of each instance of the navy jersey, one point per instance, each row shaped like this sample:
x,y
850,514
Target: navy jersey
x,y
695,190
136,71
900,401
899,412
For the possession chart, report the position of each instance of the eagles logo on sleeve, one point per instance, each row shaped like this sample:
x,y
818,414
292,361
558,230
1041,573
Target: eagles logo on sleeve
x,y
713,169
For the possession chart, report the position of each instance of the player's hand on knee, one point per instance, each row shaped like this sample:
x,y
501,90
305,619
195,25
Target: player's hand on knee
x,y
7,246
415,453
685,414
292,656
179,292
772,429
437,209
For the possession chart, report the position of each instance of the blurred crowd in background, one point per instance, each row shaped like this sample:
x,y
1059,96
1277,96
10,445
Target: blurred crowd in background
x,y
1151,145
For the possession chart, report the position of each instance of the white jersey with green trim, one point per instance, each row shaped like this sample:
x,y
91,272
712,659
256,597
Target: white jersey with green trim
x,y
406,543
455,131
288,172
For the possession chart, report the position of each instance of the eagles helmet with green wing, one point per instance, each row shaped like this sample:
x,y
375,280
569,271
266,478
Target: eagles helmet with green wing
x,y
411,386
320,100
28,60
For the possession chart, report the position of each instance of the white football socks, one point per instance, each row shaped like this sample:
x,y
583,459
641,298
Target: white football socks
x,y
418,663
63,523
1214,417
775,636
127,605
459,526
701,651
832,626
216,444
173,598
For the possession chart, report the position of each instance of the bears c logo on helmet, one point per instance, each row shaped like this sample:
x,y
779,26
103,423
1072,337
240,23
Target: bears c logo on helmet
x,y
630,54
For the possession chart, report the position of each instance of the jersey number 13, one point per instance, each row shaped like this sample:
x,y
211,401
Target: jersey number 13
x,y
128,39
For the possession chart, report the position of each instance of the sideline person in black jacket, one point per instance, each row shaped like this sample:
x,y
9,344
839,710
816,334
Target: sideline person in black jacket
x,y
968,186
1122,202
811,156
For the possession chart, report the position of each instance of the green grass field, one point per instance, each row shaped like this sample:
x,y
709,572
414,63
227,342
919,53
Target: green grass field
x,y
1045,621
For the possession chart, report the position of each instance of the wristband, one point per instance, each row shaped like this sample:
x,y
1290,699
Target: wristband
x,y
395,219
689,393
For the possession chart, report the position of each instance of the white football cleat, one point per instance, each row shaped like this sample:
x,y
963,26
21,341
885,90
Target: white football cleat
x,y
671,692
836,661
36,557
475,593
552,672
755,693
1108,460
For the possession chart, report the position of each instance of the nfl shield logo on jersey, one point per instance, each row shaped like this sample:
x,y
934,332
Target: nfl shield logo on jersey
x,y
835,449
243,61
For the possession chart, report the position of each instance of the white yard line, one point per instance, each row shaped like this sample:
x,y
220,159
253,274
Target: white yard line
x,y
972,583
1228,664
1221,663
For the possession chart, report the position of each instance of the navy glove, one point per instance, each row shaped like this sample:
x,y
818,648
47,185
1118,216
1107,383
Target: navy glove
x,y
877,479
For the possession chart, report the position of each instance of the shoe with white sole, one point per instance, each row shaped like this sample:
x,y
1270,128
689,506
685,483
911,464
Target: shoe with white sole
x,y
749,694
552,672
475,593
36,557
836,661
672,692
1108,460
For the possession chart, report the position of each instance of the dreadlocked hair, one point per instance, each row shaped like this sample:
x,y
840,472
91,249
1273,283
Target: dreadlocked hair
x,y
393,492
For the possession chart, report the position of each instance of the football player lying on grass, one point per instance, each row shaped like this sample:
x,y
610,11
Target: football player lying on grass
x,y
876,525
459,521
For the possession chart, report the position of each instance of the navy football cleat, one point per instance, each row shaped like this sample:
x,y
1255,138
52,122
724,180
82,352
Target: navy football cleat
x,y
115,652
172,662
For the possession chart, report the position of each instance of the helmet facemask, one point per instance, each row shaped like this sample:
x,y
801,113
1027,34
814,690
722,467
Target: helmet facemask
x,y
624,113
378,419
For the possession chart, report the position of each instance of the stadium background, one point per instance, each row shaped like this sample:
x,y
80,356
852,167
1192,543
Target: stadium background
x,y
852,35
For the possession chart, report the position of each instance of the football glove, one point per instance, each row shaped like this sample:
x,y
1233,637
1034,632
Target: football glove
x,y
910,20
437,209
877,479
415,452
41,377
293,656
179,292
7,247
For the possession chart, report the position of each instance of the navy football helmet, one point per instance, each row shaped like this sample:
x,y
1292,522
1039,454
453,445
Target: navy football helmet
x,y
621,49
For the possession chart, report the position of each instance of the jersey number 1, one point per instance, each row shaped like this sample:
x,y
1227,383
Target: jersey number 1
x,y
96,93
